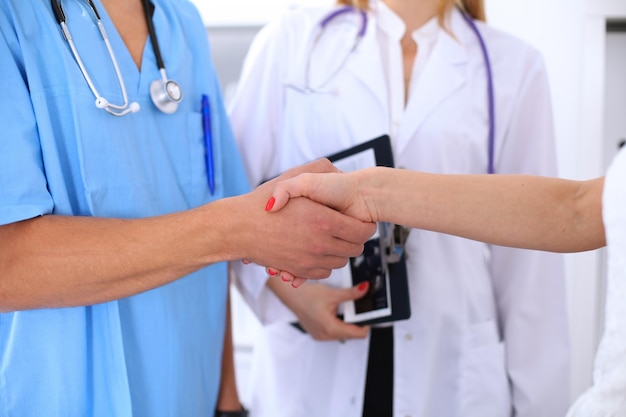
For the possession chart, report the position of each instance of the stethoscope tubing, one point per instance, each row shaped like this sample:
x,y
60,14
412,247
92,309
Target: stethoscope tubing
x,y
148,9
359,36
490,94
100,101
165,93
346,9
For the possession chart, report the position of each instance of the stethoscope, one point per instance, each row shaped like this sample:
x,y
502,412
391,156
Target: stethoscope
x,y
307,88
165,93
394,237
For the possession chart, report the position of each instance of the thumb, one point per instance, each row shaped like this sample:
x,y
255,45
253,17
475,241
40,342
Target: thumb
x,y
285,190
354,293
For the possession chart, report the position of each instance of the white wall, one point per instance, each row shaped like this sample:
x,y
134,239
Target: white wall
x,y
571,36
246,12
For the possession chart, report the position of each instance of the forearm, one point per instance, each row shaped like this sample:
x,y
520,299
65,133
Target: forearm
x,y
512,210
55,261
58,261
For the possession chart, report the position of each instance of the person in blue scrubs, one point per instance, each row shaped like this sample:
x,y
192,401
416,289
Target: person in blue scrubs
x,y
113,284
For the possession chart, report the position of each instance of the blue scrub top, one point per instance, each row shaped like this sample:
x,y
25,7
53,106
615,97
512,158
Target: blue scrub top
x,y
157,353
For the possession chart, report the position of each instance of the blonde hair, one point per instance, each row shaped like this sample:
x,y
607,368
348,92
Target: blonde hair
x,y
475,8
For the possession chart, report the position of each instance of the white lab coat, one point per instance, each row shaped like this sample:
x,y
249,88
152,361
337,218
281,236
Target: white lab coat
x,y
488,332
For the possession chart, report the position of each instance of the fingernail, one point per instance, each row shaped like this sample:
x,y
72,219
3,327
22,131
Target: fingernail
x,y
363,286
284,278
272,272
270,204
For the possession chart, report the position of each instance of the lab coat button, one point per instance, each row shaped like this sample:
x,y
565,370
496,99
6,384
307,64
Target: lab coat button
x,y
408,337
353,400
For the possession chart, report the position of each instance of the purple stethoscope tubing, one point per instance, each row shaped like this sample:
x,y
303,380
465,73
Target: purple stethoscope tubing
x,y
346,9
483,47
490,97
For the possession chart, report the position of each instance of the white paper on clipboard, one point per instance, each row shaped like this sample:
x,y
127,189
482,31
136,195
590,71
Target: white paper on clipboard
x,y
363,159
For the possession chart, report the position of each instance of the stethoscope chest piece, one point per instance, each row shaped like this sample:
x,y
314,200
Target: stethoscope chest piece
x,y
166,94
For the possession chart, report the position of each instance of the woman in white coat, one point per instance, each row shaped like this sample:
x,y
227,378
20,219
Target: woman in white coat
x,y
488,331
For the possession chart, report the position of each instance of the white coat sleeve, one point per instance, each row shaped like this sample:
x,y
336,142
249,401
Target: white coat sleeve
x,y
255,113
530,285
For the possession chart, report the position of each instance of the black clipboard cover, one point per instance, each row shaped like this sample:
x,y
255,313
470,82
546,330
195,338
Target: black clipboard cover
x,y
399,307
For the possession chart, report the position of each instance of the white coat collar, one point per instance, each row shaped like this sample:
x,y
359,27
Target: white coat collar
x,y
441,76
366,64
390,23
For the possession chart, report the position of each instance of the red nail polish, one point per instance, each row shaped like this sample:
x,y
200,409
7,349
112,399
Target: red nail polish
x,y
272,272
362,286
270,204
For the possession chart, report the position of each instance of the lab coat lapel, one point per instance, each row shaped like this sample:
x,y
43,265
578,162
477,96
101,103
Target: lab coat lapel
x,y
366,67
443,74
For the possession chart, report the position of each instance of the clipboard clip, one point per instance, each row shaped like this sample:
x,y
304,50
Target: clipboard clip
x,y
394,239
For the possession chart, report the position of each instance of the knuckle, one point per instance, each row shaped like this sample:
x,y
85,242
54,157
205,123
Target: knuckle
x,y
317,249
341,262
320,273
324,227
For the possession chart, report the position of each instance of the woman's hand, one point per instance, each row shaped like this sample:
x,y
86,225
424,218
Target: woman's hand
x,y
338,190
316,304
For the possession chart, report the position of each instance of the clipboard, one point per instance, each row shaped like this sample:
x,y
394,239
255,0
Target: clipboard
x,y
387,299
380,147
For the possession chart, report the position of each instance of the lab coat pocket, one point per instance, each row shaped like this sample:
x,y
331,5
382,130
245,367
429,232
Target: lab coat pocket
x,y
483,385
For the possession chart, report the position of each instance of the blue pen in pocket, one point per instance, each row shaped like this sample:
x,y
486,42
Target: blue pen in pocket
x,y
208,142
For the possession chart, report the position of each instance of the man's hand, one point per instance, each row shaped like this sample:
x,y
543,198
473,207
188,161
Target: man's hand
x,y
340,191
306,238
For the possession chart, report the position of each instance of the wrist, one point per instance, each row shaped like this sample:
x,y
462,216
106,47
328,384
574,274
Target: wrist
x,y
230,231
239,413
371,185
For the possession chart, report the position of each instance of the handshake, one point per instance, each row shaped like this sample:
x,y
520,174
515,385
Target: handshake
x,y
315,219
